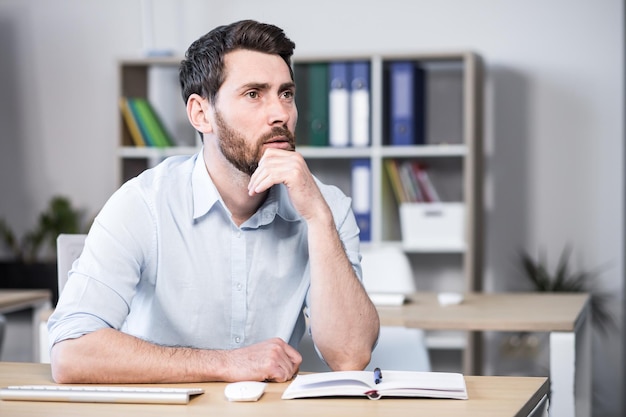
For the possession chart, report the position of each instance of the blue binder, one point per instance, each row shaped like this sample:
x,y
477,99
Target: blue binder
x,y
407,104
362,197
338,104
360,104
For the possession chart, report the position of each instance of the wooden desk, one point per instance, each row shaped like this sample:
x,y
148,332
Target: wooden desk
x,y
564,316
37,300
489,396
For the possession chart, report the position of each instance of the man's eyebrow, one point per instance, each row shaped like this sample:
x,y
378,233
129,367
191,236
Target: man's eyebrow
x,y
256,86
266,86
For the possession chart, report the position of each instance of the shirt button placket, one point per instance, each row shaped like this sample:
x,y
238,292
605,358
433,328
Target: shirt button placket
x,y
239,282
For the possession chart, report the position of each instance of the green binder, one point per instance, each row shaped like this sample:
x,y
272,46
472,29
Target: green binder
x,y
318,104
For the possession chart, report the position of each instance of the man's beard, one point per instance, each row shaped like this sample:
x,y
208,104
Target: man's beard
x,y
243,156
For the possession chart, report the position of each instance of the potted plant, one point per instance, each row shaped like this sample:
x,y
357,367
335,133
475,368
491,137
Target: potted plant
x,y
32,262
563,279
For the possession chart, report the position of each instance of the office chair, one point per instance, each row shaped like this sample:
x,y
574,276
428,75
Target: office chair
x,y
69,248
385,270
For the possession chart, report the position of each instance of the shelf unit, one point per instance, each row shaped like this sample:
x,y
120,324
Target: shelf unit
x,y
459,161
155,79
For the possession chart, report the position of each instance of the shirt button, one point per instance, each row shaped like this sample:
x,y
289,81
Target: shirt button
x,y
237,339
238,233
239,287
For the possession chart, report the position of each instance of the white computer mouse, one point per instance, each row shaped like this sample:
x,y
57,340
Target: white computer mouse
x,y
244,390
450,298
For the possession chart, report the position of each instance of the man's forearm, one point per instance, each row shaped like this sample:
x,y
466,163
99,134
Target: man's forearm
x,y
344,322
110,356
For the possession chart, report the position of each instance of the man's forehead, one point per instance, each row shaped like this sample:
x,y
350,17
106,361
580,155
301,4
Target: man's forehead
x,y
258,66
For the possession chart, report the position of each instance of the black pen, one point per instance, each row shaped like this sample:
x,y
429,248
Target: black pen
x,y
378,376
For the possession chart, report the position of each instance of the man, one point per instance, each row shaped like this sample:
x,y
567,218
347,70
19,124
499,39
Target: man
x,y
199,269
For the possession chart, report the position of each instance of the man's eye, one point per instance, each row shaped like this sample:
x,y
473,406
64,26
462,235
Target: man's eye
x,y
288,94
253,94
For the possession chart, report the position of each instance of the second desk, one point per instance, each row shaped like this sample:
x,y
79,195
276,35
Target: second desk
x,y
563,315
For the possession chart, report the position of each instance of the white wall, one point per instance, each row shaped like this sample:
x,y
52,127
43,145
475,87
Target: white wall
x,y
553,126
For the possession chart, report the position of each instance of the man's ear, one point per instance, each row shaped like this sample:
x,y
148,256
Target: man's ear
x,y
197,113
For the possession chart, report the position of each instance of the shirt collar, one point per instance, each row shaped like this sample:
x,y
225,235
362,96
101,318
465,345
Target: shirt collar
x,y
205,195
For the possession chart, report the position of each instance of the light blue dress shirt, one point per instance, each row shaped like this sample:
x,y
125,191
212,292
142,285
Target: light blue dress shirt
x,y
164,262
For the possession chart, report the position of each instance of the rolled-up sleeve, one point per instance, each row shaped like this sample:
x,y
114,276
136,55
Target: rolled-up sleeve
x,y
103,281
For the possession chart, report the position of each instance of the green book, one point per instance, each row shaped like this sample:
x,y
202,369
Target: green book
x,y
152,124
132,105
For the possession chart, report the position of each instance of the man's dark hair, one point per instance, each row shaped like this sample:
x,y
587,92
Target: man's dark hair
x,y
202,70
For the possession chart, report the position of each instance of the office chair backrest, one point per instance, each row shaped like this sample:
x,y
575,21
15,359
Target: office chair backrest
x,y
69,248
387,269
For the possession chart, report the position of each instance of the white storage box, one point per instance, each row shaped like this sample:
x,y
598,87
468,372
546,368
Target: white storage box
x,y
433,226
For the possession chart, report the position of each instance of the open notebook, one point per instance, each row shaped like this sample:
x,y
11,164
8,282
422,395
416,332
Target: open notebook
x,y
374,386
